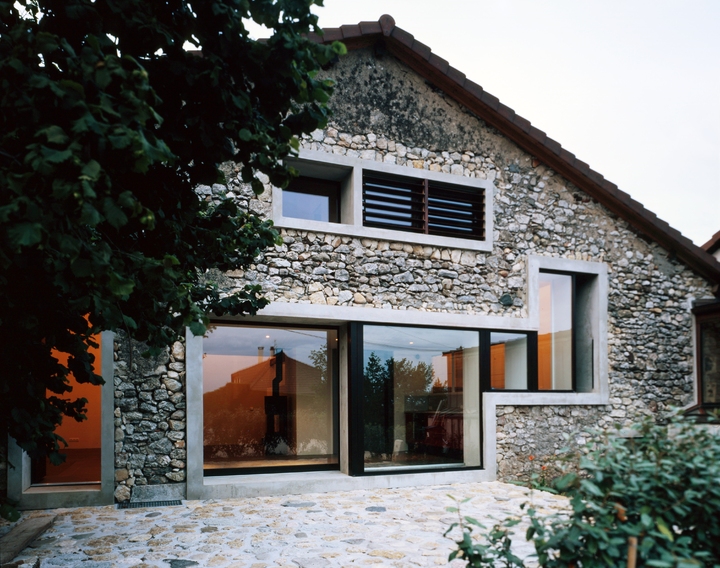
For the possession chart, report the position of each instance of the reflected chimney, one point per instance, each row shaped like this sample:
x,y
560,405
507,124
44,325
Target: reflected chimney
x,y
260,354
272,351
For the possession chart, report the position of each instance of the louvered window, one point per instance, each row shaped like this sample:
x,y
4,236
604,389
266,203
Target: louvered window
x,y
422,206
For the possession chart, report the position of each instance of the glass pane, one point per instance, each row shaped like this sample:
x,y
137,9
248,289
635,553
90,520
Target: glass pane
x,y
421,397
269,397
710,361
555,334
508,361
82,463
306,206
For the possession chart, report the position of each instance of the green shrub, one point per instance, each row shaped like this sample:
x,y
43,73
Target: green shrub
x,y
660,486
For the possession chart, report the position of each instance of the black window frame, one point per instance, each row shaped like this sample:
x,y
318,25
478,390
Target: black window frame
x,y
573,344
356,437
316,186
419,205
705,311
220,472
532,361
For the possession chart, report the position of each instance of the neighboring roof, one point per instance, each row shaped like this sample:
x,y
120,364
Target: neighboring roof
x,y
713,244
436,70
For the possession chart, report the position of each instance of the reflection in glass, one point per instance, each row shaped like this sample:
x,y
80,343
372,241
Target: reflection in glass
x,y
555,334
710,361
82,454
421,397
269,397
306,206
508,361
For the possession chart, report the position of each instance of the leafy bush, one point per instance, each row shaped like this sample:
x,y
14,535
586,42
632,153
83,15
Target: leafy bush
x,y
660,488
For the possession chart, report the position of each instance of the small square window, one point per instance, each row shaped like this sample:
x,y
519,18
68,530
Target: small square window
x,y
313,199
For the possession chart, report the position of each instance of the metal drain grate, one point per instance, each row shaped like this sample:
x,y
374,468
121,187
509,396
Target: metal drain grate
x,y
142,504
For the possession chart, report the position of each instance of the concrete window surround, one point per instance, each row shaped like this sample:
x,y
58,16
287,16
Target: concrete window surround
x,y
53,496
200,487
348,171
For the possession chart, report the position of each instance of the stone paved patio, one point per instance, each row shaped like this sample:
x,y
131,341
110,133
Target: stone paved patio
x,y
388,527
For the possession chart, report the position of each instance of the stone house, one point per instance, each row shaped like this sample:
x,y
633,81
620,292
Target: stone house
x,y
455,293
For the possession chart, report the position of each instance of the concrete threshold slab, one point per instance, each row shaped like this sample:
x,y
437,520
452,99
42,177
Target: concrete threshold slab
x,y
14,542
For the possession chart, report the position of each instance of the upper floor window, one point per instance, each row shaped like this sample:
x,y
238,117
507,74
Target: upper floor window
x,y
422,206
367,199
707,322
313,199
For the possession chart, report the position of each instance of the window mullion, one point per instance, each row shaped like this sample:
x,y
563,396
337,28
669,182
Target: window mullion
x,y
426,206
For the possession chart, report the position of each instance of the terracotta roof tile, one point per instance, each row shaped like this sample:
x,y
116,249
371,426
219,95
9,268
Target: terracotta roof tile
x,y
713,244
522,123
403,37
439,63
456,76
554,146
506,112
368,28
491,100
474,89
387,23
568,157
537,134
350,31
422,50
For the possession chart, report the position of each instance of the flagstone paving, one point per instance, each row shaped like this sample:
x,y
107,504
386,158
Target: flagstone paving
x,y
386,527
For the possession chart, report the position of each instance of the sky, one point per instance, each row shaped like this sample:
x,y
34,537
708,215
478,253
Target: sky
x,y
631,87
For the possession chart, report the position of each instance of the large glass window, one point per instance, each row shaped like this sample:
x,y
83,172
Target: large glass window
x,y
555,337
269,398
420,398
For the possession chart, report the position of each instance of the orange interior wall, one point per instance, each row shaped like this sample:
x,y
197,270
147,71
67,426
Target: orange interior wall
x,y
86,432
497,366
545,361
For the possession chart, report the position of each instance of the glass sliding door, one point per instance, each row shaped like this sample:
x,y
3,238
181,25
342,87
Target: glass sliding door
x,y
270,398
420,398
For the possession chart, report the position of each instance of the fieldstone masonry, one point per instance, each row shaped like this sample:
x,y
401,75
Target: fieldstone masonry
x,y
149,417
397,118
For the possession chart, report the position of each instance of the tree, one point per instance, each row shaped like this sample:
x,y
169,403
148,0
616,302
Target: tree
x,y
108,125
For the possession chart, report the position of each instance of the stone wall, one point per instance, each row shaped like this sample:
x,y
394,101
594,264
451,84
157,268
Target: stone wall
x,y
149,417
397,118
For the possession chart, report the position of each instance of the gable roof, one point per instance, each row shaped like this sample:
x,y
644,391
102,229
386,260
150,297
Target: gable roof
x,y
422,60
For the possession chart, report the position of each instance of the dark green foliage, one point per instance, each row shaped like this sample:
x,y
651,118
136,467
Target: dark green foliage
x,y
381,383
661,486
107,126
